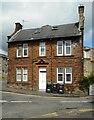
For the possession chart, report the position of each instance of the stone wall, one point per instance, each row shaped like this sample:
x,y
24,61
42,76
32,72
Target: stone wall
x,y
52,61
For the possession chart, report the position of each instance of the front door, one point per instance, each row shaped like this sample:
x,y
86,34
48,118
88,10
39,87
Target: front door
x,y
42,79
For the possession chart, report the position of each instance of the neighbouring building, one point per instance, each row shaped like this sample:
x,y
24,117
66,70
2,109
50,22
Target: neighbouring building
x,y
47,54
88,61
3,66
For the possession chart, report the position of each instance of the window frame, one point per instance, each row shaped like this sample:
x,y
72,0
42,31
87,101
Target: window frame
x,y
23,73
25,49
58,48
18,80
60,74
68,82
18,50
69,46
44,47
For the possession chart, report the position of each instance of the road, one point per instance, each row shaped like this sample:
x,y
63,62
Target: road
x,y
16,105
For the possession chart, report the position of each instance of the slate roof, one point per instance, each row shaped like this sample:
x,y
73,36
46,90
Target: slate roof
x,y
45,32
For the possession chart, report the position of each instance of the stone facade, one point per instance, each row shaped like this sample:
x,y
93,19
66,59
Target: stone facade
x,y
3,66
88,61
51,62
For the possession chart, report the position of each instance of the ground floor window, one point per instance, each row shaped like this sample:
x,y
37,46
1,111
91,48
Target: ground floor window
x,y
18,74
60,75
25,74
68,75
21,74
64,75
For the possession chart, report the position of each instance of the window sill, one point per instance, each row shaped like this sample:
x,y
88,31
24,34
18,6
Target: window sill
x,y
41,56
68,83
21,57
65,56
87,58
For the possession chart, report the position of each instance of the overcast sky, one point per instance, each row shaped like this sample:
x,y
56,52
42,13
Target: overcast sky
x,y
36,14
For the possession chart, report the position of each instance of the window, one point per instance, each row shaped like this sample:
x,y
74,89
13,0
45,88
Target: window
x,y
18,74
86,54
42,49
21,74
60,47
60,75
68,47
22,50
68,75
19,50
25,50
25,74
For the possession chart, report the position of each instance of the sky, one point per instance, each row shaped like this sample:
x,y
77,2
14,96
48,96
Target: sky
x,y
36,13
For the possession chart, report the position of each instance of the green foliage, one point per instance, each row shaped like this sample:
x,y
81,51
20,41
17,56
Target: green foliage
x,y
85,82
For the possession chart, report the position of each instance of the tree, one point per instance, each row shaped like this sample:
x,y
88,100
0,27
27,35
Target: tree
x,y
85,82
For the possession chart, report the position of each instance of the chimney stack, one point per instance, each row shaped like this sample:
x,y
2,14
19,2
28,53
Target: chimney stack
x,y
81,17
18,26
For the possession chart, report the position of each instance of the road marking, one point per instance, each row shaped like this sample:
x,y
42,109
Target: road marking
x,y
46,115
50,114
21,94
21,101
75,101
3,101
85,110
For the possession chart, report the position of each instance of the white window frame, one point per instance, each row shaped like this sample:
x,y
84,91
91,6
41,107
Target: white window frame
x,y
25,44
17,73
25,68
61,74
40,46
18,50
68,46
58,48
68,82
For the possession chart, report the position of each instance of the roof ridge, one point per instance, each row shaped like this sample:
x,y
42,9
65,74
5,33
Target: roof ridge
x,y
50,26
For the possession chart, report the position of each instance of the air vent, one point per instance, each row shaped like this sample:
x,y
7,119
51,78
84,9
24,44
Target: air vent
x,y
54,28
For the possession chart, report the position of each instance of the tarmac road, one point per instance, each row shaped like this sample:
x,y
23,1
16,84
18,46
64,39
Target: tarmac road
x,y
16,105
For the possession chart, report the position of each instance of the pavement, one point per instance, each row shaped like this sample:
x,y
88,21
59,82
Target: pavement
x,y
38,93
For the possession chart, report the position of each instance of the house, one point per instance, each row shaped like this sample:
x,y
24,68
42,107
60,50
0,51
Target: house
x,y
47,54
88,61
3,66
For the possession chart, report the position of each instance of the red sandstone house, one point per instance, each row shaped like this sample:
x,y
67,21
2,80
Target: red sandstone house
x,y
47,54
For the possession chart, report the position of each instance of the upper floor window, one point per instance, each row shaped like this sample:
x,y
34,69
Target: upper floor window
x,y
25,50
42,51
68,47
19,50
22,50
60,47
68,75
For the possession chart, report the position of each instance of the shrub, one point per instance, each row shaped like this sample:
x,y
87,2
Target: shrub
x,y
85,82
